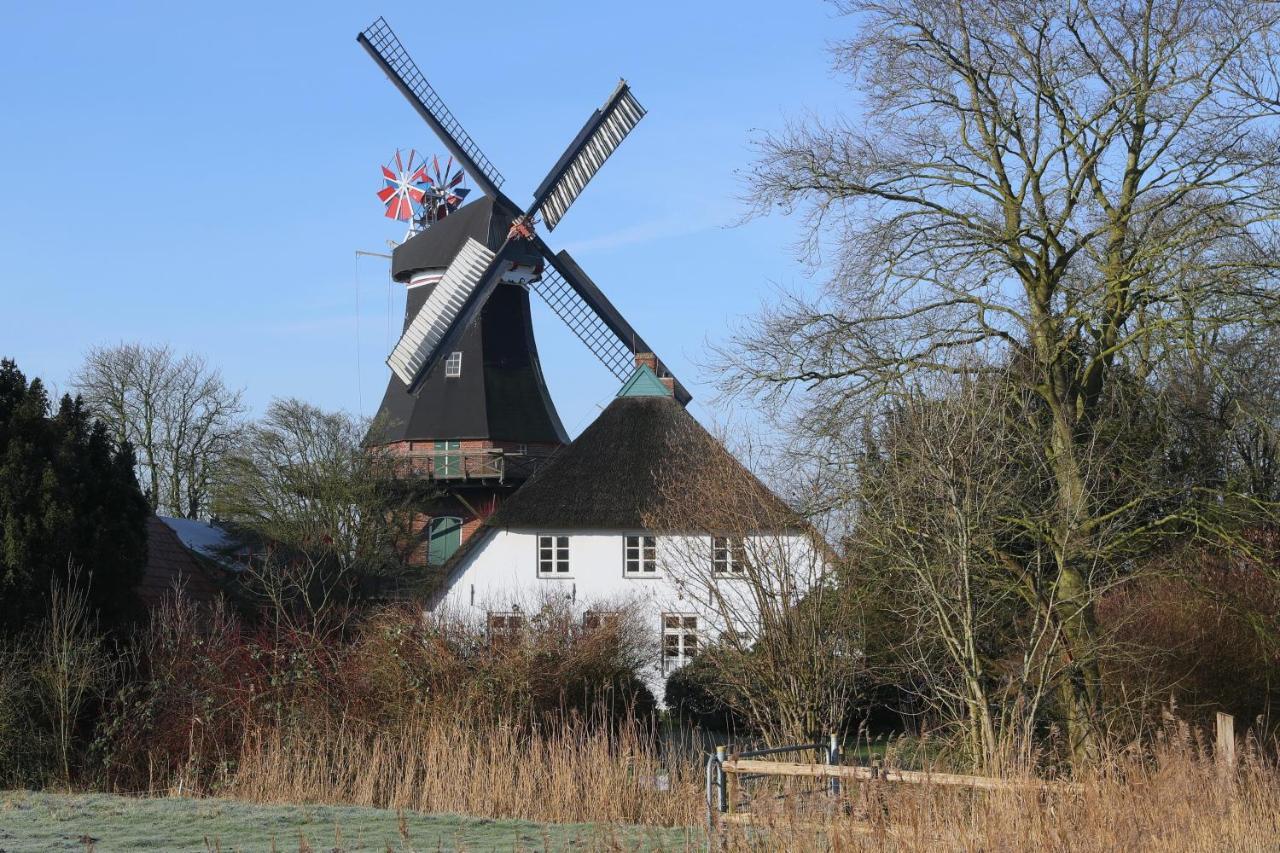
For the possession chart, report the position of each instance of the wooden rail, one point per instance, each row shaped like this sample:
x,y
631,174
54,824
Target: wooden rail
x,y
725,772
874,774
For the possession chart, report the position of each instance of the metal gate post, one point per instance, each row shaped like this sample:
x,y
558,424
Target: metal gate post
x,y
833,759
711,802
723,802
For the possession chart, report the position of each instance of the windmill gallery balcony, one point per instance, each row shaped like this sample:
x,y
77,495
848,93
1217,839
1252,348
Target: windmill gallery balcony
x,y
487,464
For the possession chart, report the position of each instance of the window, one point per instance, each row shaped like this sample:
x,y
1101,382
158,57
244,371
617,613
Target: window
x,y
640,556
553,556
453,365
595,619
505,626
444,534
679,640
728,555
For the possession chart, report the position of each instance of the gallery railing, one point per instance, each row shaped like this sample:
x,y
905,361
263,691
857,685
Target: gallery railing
x,y
484,464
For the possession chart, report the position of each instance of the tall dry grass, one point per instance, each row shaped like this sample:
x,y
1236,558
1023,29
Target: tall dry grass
x,y
572,773
1171,798
407,715
1168,796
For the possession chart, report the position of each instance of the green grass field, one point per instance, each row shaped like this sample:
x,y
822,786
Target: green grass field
x,y
37,821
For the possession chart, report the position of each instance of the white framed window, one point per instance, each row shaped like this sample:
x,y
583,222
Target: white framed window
x,y
504,626
728,555
679,640
453,365
553,556
640,556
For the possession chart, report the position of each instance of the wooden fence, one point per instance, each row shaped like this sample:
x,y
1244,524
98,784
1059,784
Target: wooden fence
x,y
727,771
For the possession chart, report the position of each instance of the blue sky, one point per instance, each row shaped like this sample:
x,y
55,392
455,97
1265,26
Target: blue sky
x,y
202,176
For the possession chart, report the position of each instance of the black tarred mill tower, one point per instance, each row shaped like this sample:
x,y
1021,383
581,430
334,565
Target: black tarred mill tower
x,y
466,405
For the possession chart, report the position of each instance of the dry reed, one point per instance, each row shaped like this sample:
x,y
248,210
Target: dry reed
x,y
1172,799
574,773
407,721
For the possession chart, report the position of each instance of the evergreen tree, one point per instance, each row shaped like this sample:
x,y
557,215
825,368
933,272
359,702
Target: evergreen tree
x,y
68,497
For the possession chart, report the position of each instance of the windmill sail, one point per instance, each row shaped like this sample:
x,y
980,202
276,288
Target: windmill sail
x,y
589,314
599,138
583,321
386,50
476,271
419,346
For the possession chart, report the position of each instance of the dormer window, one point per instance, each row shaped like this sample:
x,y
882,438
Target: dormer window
x,y
453,366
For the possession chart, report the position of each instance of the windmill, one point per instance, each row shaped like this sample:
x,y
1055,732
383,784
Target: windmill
x,y
469,282
466,402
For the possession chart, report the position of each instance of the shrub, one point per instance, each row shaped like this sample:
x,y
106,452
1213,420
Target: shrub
x,y
203,685
194,683
26,750
53,678
1203,636
691,697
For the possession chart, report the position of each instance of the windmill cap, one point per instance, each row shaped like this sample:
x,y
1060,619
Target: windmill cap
x,y
436,247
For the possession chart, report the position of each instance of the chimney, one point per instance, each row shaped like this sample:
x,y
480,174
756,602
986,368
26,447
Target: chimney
x,y
649,360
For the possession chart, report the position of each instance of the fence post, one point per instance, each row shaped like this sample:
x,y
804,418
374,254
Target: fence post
x,y
711,802
833,759
1226,743
721,780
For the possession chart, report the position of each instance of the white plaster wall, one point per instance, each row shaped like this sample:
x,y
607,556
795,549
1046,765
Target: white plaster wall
x,y
501,574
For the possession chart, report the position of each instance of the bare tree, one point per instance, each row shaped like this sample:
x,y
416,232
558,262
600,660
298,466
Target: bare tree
x,y
177,413
1085,186
779,639
1225,403
332,516
72,665
939,511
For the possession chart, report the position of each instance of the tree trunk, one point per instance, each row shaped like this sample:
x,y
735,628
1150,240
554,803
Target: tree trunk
x,y
1073,601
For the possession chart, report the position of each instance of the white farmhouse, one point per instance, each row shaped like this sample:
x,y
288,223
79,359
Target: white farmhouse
x,y
644,510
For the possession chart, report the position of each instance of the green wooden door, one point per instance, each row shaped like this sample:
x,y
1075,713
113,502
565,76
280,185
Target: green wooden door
x,y
448,459
444,537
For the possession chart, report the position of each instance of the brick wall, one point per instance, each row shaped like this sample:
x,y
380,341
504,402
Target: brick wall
x,y
448,507
485,501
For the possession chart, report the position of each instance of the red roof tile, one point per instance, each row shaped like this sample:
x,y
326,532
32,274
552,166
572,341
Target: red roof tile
x,y
169,563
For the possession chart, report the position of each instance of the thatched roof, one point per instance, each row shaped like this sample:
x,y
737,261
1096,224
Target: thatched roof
x,y
645,463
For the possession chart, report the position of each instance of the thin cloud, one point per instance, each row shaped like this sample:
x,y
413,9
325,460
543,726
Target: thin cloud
x,y
665,228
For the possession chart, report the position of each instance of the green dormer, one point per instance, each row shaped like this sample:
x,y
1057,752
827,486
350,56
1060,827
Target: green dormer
x,y
644,383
